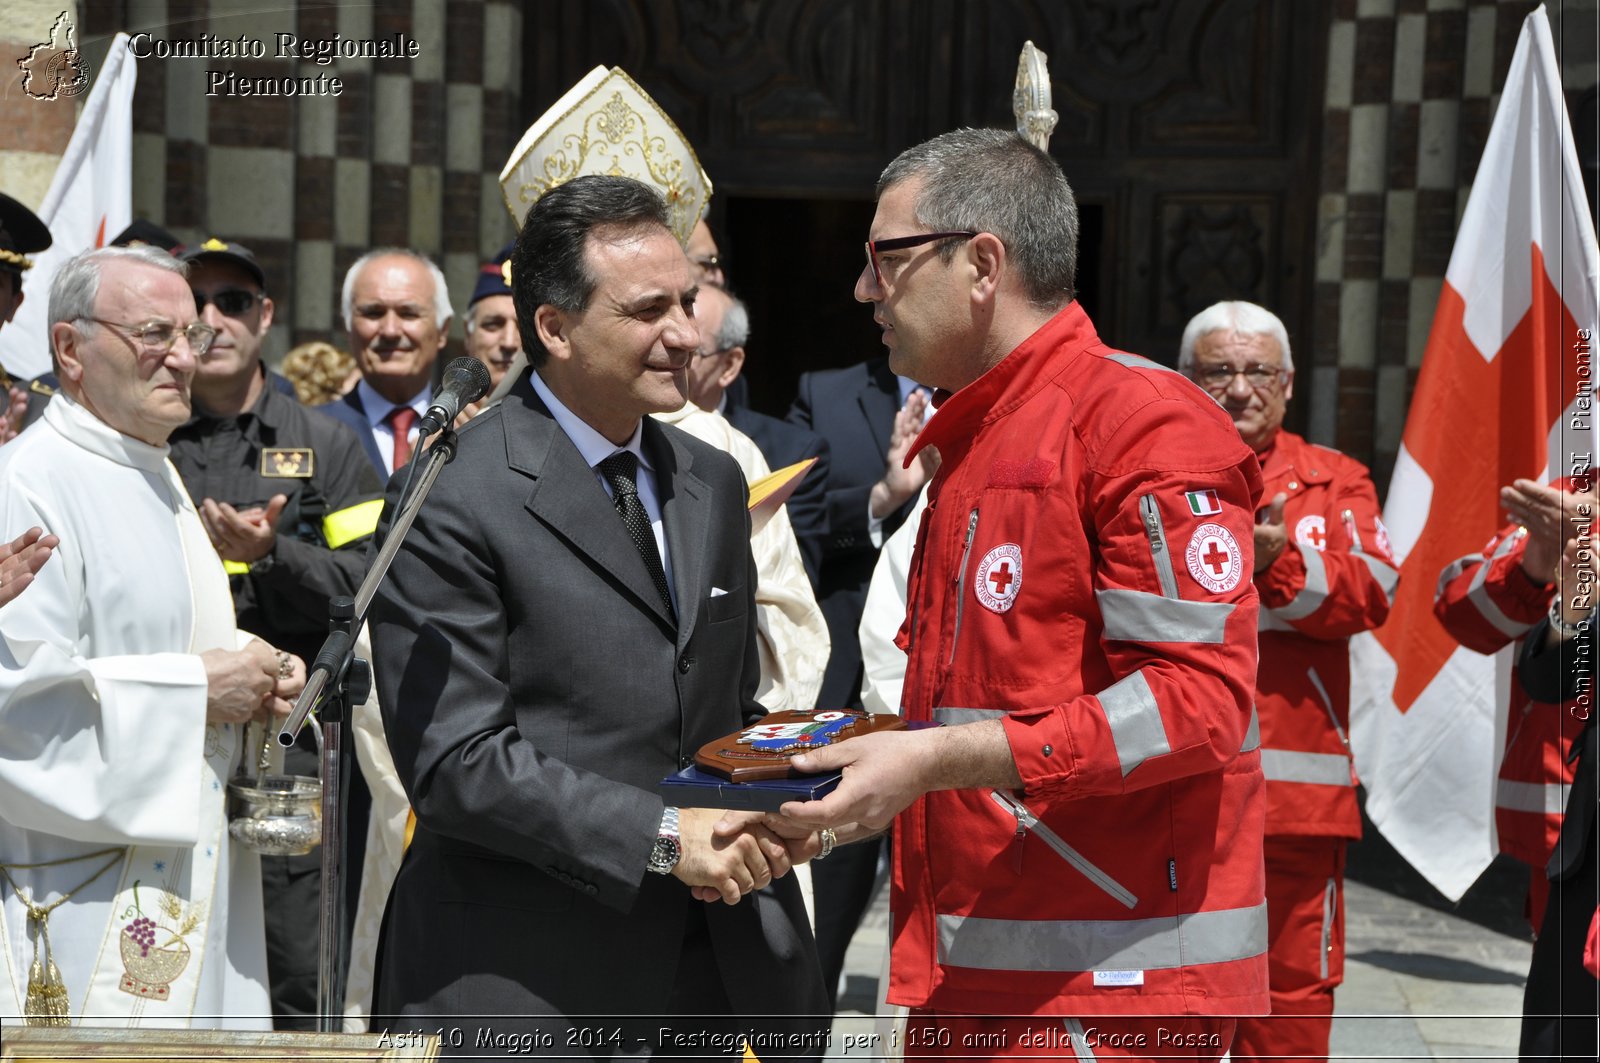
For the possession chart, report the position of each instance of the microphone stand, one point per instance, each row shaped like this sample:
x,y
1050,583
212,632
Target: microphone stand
x,y
337,681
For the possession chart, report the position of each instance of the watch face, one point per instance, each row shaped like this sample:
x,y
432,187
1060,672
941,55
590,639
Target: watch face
x,y
664,857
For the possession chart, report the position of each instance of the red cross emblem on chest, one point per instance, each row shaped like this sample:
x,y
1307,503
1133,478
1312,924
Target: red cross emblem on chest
x,y
1216,558
1000,577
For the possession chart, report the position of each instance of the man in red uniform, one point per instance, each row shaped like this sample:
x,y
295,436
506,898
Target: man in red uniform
x,y
1324,572
1489,601
1079,846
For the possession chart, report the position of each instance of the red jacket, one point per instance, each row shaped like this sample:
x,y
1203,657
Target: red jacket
x,y
1064,584
1487,602
1335,578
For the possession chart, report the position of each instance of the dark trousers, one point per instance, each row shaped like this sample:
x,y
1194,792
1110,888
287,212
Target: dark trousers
x,y
1561,1004
841,888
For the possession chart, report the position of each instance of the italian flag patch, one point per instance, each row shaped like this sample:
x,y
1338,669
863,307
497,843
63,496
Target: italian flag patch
x,y
1203,503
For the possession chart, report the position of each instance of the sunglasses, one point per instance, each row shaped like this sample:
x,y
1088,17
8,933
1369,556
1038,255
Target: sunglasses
x,y
900,243
232,302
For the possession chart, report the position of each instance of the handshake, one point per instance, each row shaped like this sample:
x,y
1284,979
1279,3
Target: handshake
x,y
726,855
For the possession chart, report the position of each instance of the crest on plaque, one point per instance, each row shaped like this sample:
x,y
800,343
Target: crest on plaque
x,y
607,124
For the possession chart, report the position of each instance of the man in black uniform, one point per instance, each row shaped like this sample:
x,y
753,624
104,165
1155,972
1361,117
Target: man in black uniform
x,y
21,234
290,500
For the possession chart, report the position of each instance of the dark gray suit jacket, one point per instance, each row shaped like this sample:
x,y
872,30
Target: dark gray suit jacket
x,y
535,691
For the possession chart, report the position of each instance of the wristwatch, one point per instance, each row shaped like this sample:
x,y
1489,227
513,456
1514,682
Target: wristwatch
x,y
1559,622
668,848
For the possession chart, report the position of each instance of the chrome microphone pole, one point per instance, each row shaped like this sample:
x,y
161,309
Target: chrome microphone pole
x,y
339,681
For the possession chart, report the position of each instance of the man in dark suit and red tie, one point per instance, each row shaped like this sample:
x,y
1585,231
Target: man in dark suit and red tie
x,y
569,620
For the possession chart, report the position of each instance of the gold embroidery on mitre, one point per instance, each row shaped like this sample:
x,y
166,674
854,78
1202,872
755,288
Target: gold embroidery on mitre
x,y
612,126
296,462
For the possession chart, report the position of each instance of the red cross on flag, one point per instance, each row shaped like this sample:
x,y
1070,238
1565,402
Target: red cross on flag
x,y
1504,392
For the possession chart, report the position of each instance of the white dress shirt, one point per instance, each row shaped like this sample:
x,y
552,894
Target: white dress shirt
x,y
377,410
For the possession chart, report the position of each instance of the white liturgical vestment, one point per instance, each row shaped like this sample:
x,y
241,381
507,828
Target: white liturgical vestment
x,y
104,742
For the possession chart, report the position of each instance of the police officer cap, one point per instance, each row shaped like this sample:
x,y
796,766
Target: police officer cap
x,y
494,278
21,234
222,251
146,232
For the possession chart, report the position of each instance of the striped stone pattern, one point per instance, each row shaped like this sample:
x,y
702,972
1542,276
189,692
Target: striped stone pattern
x,y
1411,87
406,155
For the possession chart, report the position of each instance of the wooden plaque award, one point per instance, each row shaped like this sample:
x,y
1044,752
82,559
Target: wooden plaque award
x,y
763,750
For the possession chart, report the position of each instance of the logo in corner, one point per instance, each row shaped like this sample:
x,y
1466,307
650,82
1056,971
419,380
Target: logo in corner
x,y
999,577
1214,558
55,68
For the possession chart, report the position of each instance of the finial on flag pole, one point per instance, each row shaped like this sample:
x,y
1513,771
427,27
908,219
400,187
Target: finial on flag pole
x,y
1030,101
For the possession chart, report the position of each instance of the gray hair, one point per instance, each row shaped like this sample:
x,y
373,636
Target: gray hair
x,y
1247,319
735,328
442,311
77,283
993,181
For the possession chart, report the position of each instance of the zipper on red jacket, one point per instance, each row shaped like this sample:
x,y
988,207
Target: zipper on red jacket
x,y
961,583
1156,532
1327,703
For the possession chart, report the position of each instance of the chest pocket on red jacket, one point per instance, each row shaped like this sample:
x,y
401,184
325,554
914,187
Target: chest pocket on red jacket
x,y
1013,573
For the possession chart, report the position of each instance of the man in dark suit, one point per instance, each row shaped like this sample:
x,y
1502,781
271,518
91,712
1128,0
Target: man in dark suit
x,y
869,418
724,330
570,619
397,311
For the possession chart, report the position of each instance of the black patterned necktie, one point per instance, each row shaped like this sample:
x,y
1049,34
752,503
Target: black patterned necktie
x,y
621,471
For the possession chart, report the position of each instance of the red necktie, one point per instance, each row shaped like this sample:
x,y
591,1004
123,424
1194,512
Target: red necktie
x,y
400,419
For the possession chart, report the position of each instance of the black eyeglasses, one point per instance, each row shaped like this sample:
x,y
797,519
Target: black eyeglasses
x,y
1258,376
232,302
159,337
900,243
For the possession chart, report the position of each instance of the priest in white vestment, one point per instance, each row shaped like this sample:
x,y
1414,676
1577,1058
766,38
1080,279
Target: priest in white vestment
x,y
124,687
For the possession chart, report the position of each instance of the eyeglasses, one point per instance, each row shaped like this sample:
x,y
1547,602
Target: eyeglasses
x,y
159,337
711,354
900,243
1220,377
232,302
707,262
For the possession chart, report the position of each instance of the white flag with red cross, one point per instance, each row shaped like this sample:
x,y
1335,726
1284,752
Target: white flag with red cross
x,y
1505,391
90,201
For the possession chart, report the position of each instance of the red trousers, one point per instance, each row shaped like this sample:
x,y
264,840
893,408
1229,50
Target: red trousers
x,y
1305,950
939,1036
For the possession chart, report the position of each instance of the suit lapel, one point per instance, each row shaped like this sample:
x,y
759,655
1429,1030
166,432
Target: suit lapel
x,y
363,429
879,403
568,499
686,514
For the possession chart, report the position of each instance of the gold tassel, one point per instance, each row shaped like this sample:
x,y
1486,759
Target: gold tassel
x,y
47,1003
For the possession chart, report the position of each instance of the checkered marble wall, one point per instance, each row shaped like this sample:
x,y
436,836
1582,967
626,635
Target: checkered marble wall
x,y
406,155
1411,89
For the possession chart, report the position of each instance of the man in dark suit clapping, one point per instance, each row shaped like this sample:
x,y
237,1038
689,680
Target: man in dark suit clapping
x,y
570,619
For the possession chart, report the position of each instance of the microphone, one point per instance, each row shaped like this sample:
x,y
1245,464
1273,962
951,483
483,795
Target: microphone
x,y
466,380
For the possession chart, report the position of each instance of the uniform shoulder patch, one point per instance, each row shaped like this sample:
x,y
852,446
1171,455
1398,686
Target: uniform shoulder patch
x,y
1214,558
1203,503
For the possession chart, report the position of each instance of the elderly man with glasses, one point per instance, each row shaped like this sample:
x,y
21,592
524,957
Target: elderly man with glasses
x,y
125,685
1078,849
290,503
1324,571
